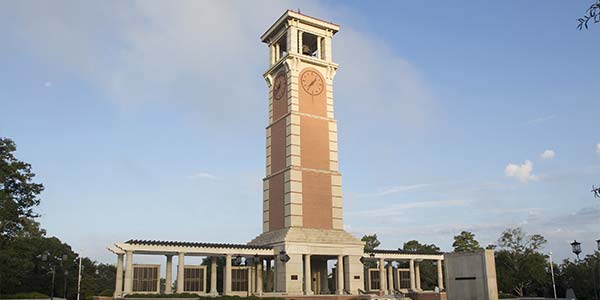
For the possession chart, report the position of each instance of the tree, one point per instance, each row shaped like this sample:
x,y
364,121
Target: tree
x,y
415,246
593,13
465,242
521,268
18,194
371,242
577,275
427,268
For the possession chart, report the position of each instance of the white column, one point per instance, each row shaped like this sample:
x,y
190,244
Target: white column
x,y
259,276
169,275
340,275
119,277
128,273
418,276
319,47
440,275
300,41
213,276
277,53
227,276
307,276
292,39
180,269
381,275
412,275
390,278
327,45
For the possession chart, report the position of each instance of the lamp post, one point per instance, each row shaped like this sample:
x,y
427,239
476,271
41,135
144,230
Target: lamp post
x,y
552,271
576,248
45,257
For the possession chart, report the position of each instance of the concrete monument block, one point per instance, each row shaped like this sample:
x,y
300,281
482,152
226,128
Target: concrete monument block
x,y
471,275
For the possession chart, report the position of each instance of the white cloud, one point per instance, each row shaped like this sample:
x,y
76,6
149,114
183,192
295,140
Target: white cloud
x,y
521,172
48,84
541,119
397,189
548,154
203,175
206,57
400,209
598,148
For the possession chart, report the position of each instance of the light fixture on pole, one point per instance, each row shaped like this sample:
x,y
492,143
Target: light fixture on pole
x,y
552,271
576,248
283,256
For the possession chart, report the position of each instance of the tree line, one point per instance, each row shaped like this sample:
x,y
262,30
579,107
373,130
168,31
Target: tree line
x,y
522,268
28,257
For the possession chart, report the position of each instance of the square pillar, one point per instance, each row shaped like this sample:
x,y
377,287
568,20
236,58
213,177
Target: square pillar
x,y
227,276
180,269
354,273
367,274
169,275
418,276
382,281
307,276
259,277
128,273
440,275
390,278
340,275
119,277
412,275
213,276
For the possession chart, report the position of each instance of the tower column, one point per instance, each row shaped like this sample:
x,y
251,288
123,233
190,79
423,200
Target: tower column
x,y
307,276
128,272
169,275
382,275
340,275
412,275
213,276
300,32
319,39
119,277
440,275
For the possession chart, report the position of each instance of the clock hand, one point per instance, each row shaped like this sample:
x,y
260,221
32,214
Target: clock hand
x,y
313,82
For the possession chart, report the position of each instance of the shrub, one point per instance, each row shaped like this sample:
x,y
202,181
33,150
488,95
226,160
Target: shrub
x,y
31,295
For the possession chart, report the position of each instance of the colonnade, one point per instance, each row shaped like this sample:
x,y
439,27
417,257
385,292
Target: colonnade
x,y
388,282
124,286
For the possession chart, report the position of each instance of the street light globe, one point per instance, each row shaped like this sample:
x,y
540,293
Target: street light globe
x,y
576,247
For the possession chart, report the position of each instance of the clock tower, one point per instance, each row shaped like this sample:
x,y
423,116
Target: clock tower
x,y
302,189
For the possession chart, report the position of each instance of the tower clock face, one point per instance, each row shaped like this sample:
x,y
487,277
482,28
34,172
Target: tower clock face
x,y
279,87
312,82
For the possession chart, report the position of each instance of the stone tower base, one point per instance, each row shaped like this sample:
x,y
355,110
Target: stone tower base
x,y
306,246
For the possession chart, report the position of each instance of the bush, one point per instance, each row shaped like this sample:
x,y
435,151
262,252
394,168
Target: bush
x,y
31,295
195,296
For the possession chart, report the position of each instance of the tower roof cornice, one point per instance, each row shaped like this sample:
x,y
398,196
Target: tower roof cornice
x,y
293,15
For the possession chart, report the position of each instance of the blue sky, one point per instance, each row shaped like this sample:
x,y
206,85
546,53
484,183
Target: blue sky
x,y
146,119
